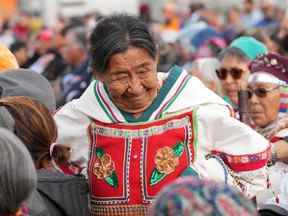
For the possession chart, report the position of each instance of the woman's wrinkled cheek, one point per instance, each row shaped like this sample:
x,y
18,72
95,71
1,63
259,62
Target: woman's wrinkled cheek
x,y
151,83
116,90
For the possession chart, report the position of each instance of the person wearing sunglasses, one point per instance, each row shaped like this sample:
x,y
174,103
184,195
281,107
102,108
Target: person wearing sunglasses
x,y
233,72
267,91
264,100
267,104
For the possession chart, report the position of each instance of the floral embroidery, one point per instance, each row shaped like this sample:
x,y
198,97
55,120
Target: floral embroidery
x,y
104,168
166,161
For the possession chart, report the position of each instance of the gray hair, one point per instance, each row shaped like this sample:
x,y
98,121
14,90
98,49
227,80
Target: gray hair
x,y
18,175
233,52
206,68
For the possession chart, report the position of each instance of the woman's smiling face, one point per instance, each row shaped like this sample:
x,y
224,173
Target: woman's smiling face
x,y
131,79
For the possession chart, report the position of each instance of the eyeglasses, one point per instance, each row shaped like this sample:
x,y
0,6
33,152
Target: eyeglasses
x,y
260,92
235,72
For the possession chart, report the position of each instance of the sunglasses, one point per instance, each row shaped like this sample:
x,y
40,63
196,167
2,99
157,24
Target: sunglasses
x,y
260,92
235,73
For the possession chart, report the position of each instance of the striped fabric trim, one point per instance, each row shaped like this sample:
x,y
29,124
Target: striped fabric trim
x,y
102,104
119,210
284,95
109,104
283,100
106,104
246,162
172,95
183,82
195,133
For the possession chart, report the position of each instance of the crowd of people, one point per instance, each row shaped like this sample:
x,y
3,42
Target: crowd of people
x,y
125,115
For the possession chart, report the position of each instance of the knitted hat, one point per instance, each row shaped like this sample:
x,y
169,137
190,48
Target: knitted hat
x,y
249,46
7,59
189,196
24,82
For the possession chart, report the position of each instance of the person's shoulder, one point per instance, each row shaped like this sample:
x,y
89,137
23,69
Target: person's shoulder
x,y
36,205
67,194
53,177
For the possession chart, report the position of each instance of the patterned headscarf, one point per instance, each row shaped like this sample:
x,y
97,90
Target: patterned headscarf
x,y
189,196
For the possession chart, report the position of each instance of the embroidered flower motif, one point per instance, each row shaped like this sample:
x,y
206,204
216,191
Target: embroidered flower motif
x,y
103,166
166,161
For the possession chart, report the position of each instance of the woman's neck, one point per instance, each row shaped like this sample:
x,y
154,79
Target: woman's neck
x,y
137,115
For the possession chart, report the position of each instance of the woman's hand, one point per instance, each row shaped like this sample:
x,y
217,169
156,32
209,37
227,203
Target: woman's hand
x,y
281,149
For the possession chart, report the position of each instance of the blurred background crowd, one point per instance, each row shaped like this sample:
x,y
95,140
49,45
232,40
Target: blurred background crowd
x,y
54,42
51,38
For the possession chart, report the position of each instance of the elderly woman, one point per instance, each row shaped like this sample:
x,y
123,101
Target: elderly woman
x,y
135,132
267,90
233,72
18,176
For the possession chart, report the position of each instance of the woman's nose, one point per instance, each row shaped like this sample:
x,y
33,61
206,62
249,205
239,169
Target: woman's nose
x,y
253,99
229,79
135,86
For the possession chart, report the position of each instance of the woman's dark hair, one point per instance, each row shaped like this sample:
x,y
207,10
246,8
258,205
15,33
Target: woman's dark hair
x,y
233,52
115,34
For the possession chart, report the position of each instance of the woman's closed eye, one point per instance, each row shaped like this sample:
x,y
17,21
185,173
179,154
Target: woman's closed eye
x,y
143,72
120,77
